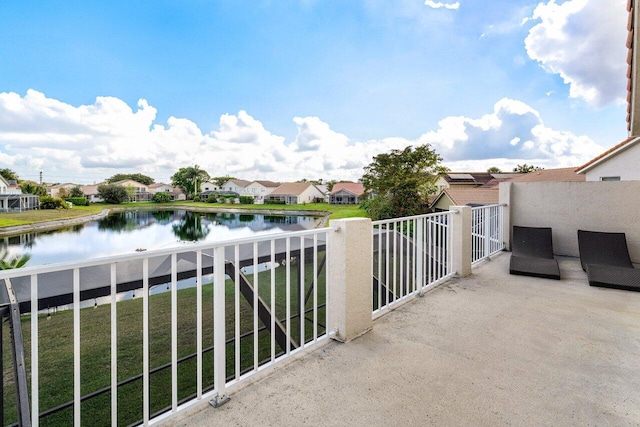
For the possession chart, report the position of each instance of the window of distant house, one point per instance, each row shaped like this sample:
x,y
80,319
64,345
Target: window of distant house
x,y
609,178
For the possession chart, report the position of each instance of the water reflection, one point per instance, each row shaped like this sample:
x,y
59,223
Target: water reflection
x,y
124,232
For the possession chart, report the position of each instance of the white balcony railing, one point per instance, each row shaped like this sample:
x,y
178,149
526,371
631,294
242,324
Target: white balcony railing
x,y
486,231
138,338
409,255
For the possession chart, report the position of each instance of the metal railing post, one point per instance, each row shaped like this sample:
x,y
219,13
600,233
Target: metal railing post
x,y
486,213
419,239
219,352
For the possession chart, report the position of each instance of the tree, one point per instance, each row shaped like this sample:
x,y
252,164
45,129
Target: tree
x,y
219,181
398,183
189,179
8,174
30,187
142,179
525,168
63,193
493,169
111,193
18,261
131,192
76,192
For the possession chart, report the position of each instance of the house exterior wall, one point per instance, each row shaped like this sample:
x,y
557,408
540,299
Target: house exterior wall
x,y
309,194
623,165
209,186
232,186
443,203
567,207
344,198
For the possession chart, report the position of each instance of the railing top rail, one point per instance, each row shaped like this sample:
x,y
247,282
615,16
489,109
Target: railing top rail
x,y
405,218
488,206
69,265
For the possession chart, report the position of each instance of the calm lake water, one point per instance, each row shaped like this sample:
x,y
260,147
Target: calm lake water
x,y
124,232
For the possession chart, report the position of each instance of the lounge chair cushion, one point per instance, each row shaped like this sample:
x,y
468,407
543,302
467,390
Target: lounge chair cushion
x,y
608,276
603,248
536,267
533,242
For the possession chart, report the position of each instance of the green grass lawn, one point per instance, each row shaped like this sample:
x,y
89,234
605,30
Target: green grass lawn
x,y
56,347
9,219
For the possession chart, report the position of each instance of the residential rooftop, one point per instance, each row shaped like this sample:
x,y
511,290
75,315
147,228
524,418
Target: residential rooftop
x,y
488,349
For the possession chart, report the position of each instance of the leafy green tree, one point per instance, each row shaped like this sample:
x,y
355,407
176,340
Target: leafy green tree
x,y
76,192
398,183
63,193
111,193
30,187
525,168
189,179
142,179
493,169
8,174
131,192
221,180
161,197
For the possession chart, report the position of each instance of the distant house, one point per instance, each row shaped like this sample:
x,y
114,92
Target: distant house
x,y
472,179
293,193
259,189
550,175
209,186
619,163
175,192
12,199
237,186
142,193
464,197
54,190
346,193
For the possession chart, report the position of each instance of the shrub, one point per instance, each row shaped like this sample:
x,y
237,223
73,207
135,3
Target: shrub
x,y
78,201
48,202
212,198
161,197
275,202
114,194
246,200
196,198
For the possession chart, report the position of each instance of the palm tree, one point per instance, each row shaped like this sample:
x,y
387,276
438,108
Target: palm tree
x,y
17,261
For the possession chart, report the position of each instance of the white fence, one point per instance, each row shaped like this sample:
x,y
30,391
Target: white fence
x,y
136,338
409,255
486,231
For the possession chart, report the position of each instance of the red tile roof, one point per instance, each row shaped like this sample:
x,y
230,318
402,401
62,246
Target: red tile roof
x,y
466,196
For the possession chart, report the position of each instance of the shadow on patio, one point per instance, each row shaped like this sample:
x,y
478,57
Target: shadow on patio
x,y
484,350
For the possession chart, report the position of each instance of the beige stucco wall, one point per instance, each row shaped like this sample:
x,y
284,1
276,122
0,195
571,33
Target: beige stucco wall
x,y
443,203
624,165
569,206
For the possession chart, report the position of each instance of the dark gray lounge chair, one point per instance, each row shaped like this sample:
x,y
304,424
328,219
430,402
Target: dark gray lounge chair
x,y
605,258
532,253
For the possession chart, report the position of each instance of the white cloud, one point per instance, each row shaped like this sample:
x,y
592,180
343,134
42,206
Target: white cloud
x,y
92,142
583,41
514,131
438,5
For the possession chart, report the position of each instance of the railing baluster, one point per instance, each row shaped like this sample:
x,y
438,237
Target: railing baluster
x,y
114,345
174,332
145,341
199,324
287,265
272,261
35,355
236,297
256,359
76,347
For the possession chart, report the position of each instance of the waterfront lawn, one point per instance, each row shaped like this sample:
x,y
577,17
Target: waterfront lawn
x,y
10,219
56,347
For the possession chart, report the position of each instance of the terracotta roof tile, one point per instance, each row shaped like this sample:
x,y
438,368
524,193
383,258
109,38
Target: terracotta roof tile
x,y
551,175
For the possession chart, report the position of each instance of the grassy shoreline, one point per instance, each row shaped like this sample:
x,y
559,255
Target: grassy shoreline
x,y
42,217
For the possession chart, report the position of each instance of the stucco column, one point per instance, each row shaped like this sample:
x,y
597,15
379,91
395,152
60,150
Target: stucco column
x,y
461,240
350,291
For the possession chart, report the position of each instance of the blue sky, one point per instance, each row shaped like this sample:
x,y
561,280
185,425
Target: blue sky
x,y
290,89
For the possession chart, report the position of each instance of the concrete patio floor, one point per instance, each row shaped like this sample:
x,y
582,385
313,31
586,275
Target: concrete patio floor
x,y
489,349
